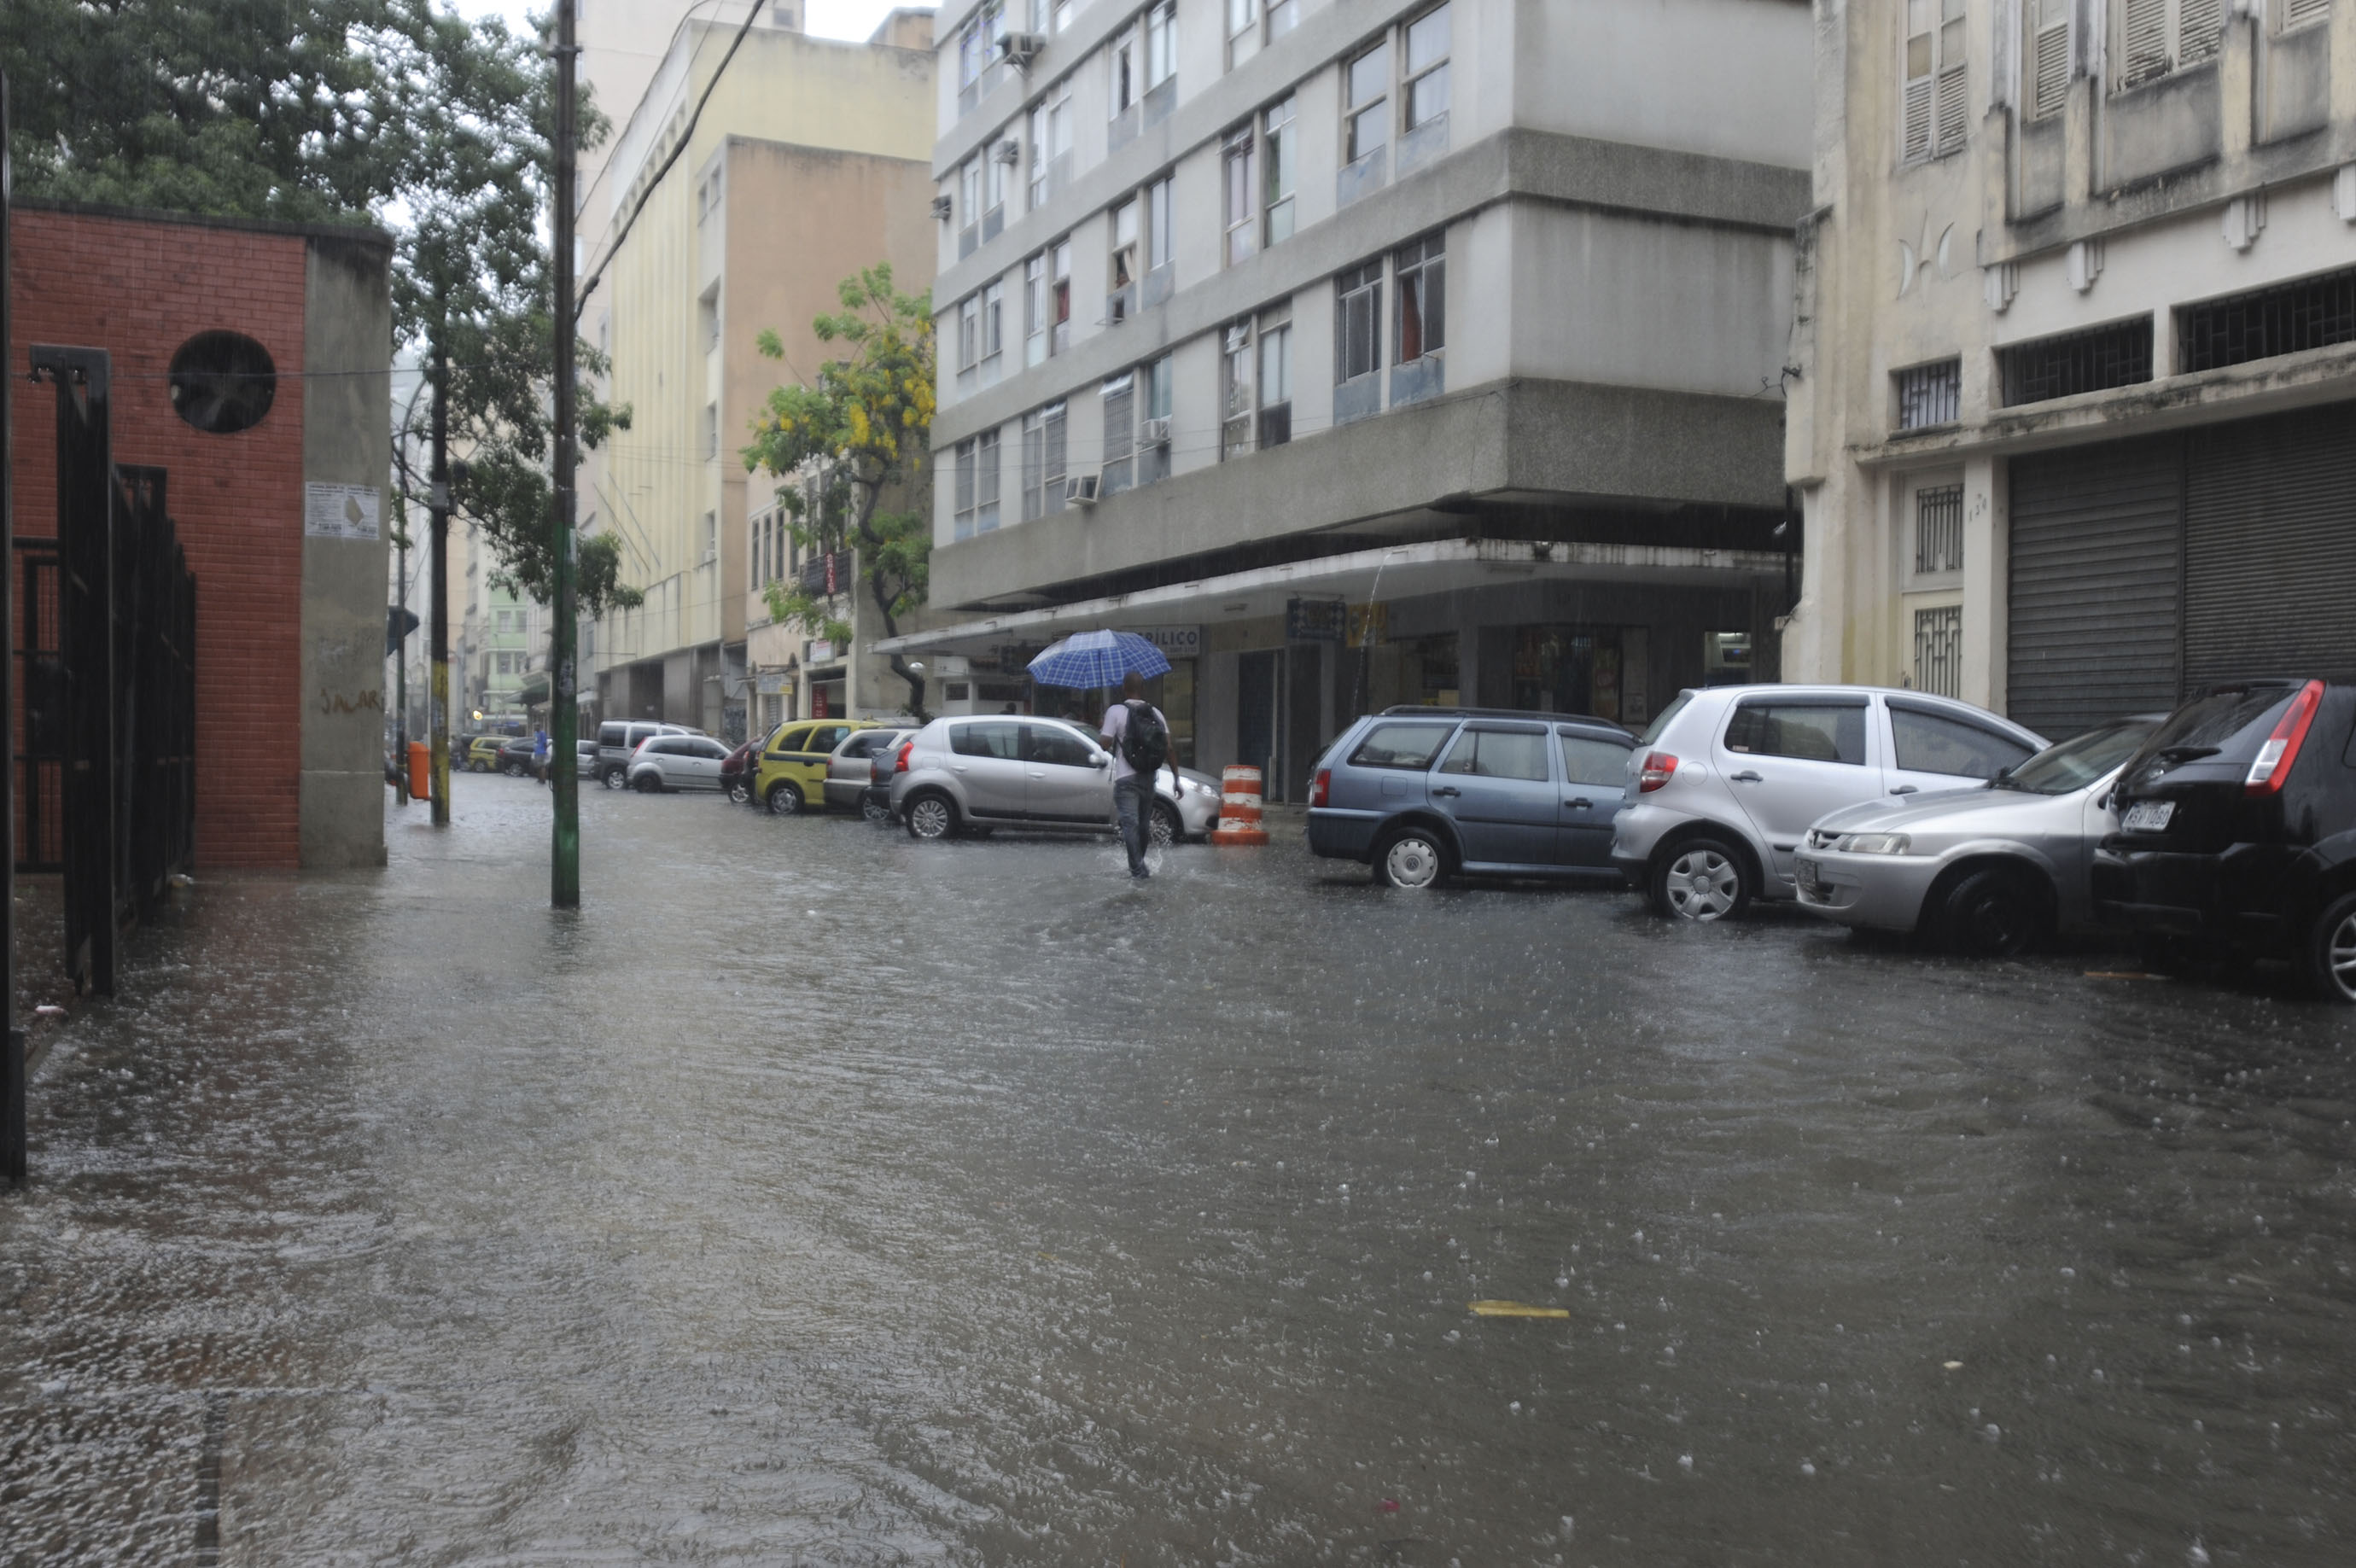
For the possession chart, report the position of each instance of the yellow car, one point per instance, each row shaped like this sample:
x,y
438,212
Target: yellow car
x,y
791,778
482,755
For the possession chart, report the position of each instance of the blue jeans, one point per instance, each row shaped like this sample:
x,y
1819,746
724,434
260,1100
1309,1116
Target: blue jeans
x,y
1132,798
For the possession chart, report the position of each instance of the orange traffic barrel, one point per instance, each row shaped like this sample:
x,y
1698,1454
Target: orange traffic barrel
x,y
421,770
1239,803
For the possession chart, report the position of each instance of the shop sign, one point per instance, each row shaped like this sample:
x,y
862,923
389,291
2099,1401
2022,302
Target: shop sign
x,y
821,650
950,667
1174,642
1313,620
1370,625
772,683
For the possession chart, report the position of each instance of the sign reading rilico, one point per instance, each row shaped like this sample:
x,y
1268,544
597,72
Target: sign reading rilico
x,y
1174,642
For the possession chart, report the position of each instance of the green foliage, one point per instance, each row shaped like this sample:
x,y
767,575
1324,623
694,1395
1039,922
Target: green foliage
x,y
389,111
860,434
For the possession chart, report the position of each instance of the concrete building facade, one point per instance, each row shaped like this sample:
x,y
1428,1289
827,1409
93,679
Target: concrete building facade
x,y
2075,350
808,164
1365,351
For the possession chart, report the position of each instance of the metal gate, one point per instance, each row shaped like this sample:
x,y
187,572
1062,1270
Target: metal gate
x,y
2270,547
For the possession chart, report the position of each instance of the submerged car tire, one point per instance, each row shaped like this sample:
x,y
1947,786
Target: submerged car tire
x,y
615,777
875,811
1701,879
1165,828
513,770
1993,913
784,799
1412,859
930,816
2330,959
648,783
739,790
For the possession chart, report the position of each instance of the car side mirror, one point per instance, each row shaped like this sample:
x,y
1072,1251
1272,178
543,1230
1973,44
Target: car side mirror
x,y
1099,759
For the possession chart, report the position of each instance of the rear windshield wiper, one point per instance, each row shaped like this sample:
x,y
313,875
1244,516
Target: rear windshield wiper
x,y
2187,753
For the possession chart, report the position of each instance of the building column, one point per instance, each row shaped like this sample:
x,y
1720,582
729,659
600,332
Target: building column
x,y
1987,537
1816,634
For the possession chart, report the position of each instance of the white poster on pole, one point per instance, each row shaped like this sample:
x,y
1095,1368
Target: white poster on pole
x,y
340,511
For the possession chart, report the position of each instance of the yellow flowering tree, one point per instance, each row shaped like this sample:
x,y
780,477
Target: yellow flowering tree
x,y
852,452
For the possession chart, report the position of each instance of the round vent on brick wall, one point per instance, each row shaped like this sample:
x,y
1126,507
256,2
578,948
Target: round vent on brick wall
x,y
223,382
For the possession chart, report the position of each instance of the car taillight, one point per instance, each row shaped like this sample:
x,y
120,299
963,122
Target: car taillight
x,y
1320,786
900,763
1655,772
2274,760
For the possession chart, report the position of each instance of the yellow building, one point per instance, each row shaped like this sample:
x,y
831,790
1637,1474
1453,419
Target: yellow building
x,y
811,160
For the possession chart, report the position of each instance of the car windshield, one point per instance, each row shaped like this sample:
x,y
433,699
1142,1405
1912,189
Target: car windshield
x,y
2078,762
2231,722
1661,720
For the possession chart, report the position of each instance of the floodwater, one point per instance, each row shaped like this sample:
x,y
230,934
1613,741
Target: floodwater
x,y
818,1196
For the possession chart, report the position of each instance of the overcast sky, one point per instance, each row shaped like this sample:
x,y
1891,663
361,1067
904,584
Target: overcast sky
x,y
824,19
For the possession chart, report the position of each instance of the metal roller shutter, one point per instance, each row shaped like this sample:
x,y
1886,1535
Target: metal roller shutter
x,y
2270,547
2096,554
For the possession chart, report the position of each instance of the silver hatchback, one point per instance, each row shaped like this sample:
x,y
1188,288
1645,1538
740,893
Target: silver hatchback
x,y
974,774
677,762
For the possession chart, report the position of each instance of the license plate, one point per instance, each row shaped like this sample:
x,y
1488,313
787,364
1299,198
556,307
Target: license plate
x,y
2148,816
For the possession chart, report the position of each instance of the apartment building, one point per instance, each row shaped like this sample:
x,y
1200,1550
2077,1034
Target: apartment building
x,y
1367,351
2074,424
809,161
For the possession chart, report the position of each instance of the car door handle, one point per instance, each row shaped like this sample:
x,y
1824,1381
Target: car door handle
x,y
1904,789
1581,804
1745,776
1447,790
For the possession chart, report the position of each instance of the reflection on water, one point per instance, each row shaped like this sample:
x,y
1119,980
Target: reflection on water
x,y
815,1196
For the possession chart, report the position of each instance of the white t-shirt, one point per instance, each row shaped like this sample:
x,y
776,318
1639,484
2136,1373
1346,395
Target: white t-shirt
x,y
1116,725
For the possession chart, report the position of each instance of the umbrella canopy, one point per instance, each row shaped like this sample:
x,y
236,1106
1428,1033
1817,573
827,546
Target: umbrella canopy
x,y
1087,661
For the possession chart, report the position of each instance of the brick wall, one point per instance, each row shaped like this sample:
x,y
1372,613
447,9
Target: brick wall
x,y
139,288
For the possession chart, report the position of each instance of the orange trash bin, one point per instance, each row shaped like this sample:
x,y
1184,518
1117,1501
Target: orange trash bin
x,y
421,770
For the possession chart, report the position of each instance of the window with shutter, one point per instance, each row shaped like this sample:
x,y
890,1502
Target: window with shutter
x,y
2156,37
2199,30
2299,13
1935,96
2049,57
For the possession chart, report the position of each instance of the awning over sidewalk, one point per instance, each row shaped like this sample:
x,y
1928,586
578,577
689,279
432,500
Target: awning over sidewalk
x,y
1367,576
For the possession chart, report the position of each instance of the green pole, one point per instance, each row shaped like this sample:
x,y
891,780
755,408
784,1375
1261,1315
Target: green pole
x,y
564,729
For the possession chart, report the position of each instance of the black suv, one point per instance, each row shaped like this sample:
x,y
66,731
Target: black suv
x,y
2237,832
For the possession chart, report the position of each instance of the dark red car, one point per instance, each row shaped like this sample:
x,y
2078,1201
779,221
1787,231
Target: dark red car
x,y
736,772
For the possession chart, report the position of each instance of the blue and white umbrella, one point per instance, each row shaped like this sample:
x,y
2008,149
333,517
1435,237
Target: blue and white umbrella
x,y
1092,661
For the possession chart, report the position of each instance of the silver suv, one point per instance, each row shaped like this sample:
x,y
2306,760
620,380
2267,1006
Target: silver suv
x,y
958,775
1724,785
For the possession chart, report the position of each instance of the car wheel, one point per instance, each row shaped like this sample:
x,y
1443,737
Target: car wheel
x,y
875,811
1994,912
739,790
614,778
930,816
2331,952
1412,859
785,799
648,783
1701,879
513,770
1166,829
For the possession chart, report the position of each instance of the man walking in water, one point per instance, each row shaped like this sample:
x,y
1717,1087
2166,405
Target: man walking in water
x,y
1139,738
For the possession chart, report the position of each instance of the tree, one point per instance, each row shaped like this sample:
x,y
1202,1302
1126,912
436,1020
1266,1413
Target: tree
x,y
843,447
344,110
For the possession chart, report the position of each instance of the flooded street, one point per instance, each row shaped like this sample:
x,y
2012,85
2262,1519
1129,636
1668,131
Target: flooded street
x,y
814,1196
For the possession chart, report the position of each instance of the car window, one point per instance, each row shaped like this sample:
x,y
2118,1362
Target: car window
x,y
1810,732
710,749
1935,743
1409,744
2228,724
1499,754
991,740
611,734
2078,760
789,739
825,738
865,742
1054,743
1586,760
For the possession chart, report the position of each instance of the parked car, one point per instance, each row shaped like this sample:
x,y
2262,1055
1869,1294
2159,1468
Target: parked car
x,y
585,762
792,772
2237,833
1988,872
481,755
958,775
1725,783
618,741
851,770
736,772
677,762
514,757
1421,794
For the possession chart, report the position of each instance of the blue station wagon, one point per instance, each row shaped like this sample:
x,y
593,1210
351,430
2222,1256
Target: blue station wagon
x,y
1421,794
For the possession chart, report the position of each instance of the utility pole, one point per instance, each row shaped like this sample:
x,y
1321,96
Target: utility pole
x,y
563,760
401,657
438,713
12,1040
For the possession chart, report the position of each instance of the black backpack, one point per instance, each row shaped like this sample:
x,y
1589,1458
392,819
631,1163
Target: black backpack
x,y
1144,740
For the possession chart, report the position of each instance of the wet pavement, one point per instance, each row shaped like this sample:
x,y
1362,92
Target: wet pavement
x,y
818,1196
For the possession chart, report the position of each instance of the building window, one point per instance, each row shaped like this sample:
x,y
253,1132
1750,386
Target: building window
x,y
968,333
2090,361
1239,182
1426,90
1236,391
1280,159
1938,530
503,664
1930,394
1161,44
2045,25
968,206
707,431
707,319
1243,31
2156,37
1934,78
1939,650
1043,461
1276,377
1159,227
2299,13
1358,322
995,172
1122,90
976,49
975,507
1119,395
1422,272
1123,281
2314,313
1047,302
1154,432
1051,143
1365,91
993,329
710,537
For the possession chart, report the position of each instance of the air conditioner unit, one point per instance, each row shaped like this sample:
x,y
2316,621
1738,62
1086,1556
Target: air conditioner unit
x,y
944,207
1081,489
1156,432
1008,152
1019,49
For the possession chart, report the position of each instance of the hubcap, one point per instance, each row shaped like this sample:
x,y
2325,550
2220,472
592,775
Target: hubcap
x,y
783,801
2339,957
1411,863
1702,884
930,818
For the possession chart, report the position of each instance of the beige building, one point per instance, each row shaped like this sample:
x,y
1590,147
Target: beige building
x,y
2071,380
810,161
